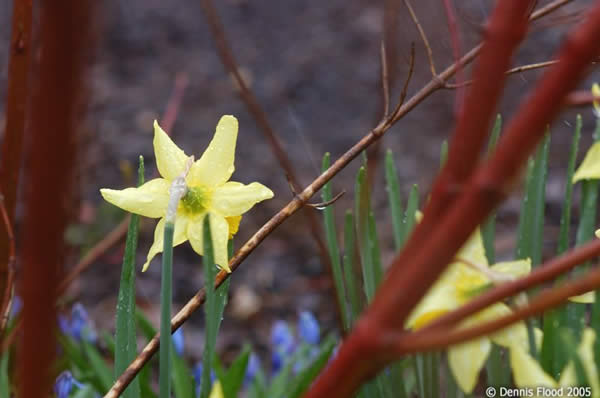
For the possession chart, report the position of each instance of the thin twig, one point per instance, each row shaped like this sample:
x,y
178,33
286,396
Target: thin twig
x,y
323,205
404,92
518,69
196,301
385,83
7,297
415,20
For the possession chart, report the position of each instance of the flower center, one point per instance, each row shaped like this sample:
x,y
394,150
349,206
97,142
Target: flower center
x,y
194,201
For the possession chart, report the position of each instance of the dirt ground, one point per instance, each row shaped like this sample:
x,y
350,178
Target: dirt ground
x,y
314,67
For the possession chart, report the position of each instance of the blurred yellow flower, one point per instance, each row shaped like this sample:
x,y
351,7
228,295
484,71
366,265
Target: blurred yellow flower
x,y
216,391
209,192
463,280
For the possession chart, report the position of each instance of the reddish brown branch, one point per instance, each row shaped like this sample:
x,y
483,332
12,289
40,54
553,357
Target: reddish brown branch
x,y
64,28
12,145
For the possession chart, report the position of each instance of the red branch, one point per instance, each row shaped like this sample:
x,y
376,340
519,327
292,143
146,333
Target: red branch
x,y
12,145
54,107
430,249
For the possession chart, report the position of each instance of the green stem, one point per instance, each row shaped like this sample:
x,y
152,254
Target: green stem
x,y
164,378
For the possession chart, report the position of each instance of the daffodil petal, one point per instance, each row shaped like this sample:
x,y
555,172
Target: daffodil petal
x,y
234,198
527,372
215,166
149,200
473,250
216,391
585,298
516,269
179,236
170,159
515,334
597,233
441,298
234,225
466,361
586,354
590,167
219,228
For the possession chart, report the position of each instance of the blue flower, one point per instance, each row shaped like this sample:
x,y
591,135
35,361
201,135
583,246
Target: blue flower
x,y
283,344
17,304
252,368
178,341
79,326
308,328
64,384
197,372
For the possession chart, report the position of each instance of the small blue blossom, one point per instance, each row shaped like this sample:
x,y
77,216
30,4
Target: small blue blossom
x,y
79,326
17,304
178,341
197,372
64,384
252,368
283,344
308,328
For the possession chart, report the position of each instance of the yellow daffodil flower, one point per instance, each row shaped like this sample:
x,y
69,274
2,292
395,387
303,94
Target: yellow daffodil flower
x,y
460,283
528,373
208,191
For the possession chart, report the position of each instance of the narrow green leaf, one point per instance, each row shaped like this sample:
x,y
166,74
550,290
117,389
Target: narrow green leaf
x,y
431,379
418,371
181,376
307,375
551,359
166,298
595,324
333,248
362,233
4,382
393,190
498,372
233,379
569,345
280,383
409,220
488,230
213,307
565,218
125,333
443,153
349,275
374,251
102,373
531,221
